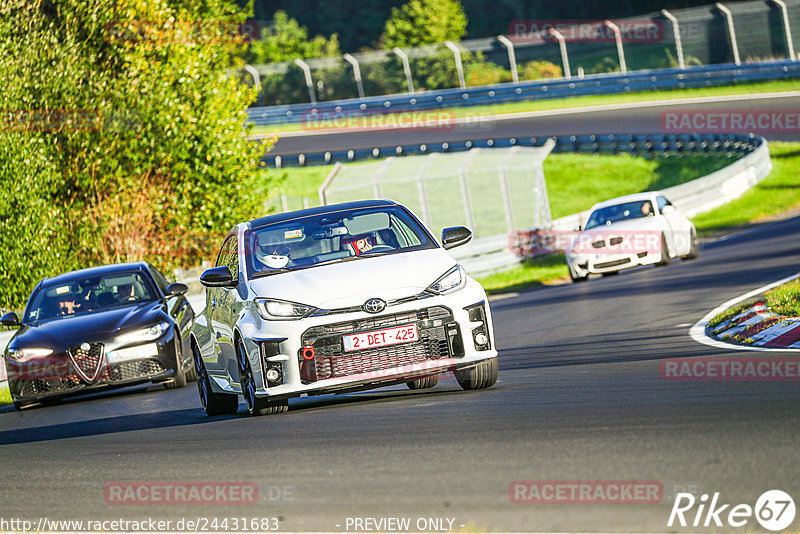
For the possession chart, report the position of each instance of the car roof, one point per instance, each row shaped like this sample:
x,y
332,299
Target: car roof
x,y
648,195
94,271
332,208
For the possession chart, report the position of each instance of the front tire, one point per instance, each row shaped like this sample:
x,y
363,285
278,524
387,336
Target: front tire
x,y
423,383
255,405
482,376
665,259
694,250
213,403
180,375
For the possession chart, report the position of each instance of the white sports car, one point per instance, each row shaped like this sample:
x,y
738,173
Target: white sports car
x,y
624,232
334,299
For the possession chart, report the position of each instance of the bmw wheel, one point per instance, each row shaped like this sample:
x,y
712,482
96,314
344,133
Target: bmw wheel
x,y
665,259
213,403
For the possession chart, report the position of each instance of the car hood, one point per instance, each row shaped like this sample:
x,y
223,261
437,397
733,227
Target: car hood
x,y
351,283
62,333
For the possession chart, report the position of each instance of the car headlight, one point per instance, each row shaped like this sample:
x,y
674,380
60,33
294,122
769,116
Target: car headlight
x,y
145,334
23,355
452,280
282,310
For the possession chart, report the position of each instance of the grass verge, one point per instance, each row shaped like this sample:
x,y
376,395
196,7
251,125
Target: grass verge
x,y
783,300
5,394
529,274
591,100
776,194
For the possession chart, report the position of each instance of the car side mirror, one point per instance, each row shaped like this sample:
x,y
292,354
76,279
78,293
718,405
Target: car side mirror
x,y
666,210
455,236
217,277
176,289
10,319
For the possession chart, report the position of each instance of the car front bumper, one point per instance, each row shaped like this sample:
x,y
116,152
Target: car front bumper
x,y
584,264
447,327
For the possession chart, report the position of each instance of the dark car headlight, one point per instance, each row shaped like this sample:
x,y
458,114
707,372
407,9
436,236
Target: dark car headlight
x,y
144,334
24,355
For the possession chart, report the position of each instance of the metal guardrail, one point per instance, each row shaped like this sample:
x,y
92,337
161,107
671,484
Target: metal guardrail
x,y
598,84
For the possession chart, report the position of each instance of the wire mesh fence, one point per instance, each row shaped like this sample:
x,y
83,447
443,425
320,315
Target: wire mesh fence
x,y
491,191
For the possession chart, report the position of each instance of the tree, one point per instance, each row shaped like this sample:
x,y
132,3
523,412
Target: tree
x,y
122,135
422,22
286,40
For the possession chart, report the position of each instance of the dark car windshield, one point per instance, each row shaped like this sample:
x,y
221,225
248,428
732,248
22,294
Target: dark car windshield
x,y
86,294
333,237
619,212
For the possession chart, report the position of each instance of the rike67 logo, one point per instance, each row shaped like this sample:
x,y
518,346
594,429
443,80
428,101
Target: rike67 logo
x,y
774,510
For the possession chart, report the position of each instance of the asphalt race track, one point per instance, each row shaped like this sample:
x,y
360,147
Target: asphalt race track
x,y
580,397
629,119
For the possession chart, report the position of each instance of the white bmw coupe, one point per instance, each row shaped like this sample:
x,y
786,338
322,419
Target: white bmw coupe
x,y
335,299
624,232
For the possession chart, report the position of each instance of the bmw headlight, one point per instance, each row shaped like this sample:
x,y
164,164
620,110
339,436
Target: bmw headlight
x,y
145,334
282,310
23,355
452,280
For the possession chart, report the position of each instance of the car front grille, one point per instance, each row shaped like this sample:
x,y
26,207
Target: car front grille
x,y
436,329
87,362
614,263
46,386
125,371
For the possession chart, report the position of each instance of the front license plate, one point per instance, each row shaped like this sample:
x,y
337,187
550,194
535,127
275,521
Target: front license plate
x,y
380,338
133,353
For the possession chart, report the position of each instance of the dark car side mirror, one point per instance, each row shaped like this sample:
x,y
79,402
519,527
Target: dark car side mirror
x,y
176,289
217,277
455,236
10,319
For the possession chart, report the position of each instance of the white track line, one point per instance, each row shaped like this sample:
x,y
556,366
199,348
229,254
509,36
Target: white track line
x,y
698,331
546,113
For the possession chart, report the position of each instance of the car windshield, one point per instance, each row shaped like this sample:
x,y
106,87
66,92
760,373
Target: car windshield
x,y
86,294
619,212
333,237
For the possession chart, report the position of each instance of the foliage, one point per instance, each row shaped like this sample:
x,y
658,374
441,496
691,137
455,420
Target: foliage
x,y
424,22
285,40
123,137
537,70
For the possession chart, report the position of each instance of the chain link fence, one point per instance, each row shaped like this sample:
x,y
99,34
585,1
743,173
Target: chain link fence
x,y
648,42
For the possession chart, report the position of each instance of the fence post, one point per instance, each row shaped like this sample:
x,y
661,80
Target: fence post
x,y
731,31
256,82
309,83
406,68
677,33
786,28
465,197
422,190
562,45
620,51
459,67
505,191
356,73
512,58
323,199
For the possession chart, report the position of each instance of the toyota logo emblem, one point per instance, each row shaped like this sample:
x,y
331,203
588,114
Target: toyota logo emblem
x,y
374,306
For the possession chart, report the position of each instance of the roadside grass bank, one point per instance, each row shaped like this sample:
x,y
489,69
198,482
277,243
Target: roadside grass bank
x,y
589,100
5,394
783,300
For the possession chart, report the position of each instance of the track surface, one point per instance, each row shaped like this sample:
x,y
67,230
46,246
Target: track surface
x,y
580,397
634,120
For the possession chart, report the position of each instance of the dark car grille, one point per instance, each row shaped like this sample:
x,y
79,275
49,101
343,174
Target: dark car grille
x,y
87,362
435,327
133,370
122,372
